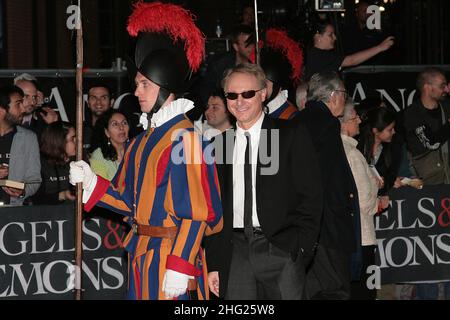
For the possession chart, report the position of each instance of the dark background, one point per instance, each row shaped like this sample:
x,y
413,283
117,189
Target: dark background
x,y
33,33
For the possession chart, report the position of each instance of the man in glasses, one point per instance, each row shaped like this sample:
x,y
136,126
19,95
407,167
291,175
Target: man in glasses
x,y
243,43
329,276
271,196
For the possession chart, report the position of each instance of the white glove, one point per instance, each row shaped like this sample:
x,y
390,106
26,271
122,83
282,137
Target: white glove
x,y
80,171
175,283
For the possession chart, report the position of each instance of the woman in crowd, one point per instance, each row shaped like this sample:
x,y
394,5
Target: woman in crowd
x,y
375,139
111,135
367,186
322,56
57,147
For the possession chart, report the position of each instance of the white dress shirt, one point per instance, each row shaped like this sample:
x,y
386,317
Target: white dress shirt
x,y
240,144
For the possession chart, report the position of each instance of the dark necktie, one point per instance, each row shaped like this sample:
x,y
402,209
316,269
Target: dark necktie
x,y
248,200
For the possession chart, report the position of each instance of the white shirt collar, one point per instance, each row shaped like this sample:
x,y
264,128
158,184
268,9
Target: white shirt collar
x,y
278,101
254,130
167,113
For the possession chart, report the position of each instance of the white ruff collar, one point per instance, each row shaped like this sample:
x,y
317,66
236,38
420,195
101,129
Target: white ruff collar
x,y
167,113
278,101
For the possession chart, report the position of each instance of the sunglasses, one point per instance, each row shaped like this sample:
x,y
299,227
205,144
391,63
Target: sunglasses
x,y
246,94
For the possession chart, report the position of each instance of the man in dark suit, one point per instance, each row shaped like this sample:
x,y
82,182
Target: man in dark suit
x,y
330,274
271,195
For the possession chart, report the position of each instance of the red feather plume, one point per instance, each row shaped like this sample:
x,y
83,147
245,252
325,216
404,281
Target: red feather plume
x,y
279,40
177,22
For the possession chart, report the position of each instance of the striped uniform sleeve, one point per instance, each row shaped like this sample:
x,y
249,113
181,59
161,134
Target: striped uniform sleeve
x,y
193,198
110,195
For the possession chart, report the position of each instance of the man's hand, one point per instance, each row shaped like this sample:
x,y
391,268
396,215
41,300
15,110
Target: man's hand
x,y
174,284
49,115
213,282
387,43
384,202
398,182
4,171
66,195
13,192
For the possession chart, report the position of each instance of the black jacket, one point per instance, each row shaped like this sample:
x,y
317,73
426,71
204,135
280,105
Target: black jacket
x,y
289,203
55,178
340,222
425,131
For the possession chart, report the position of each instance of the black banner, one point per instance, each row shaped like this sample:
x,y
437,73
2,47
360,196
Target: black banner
x,y
396,85
37,254
414,236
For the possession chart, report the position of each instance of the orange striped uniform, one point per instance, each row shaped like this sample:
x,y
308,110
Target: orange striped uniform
x,y
166,179
286,111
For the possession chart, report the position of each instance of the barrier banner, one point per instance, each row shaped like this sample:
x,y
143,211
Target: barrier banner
x,y
396,85
37,254
414,236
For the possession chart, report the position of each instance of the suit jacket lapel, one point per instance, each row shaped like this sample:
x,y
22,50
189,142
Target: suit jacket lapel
x,y
265,141
229,140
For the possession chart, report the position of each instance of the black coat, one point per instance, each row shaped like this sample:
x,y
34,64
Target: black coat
x,y
340,223
55,178
289,203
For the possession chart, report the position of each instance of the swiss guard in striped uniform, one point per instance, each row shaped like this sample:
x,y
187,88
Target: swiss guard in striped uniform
x,y
167,185
281,58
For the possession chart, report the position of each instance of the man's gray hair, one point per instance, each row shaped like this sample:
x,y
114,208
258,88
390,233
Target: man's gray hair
x,y
300,93
348,108
246,68
321,86
24,77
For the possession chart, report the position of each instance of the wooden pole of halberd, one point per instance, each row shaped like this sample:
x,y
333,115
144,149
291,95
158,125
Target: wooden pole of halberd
x,y
256,32
79,156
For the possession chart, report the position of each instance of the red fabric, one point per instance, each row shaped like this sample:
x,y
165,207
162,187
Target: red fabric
x,y
162,165
177,22
279,40
182,266
205,185
138,284
100,189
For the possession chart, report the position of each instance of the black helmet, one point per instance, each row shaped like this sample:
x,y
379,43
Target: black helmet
x,y
169,46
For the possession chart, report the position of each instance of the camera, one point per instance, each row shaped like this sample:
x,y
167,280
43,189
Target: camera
x,y
330,5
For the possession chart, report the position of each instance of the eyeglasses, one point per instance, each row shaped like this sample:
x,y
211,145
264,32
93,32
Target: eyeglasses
x,y
246,94
344,92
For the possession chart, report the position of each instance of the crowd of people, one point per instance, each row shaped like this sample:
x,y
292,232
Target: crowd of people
x,y
37,146
302,231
